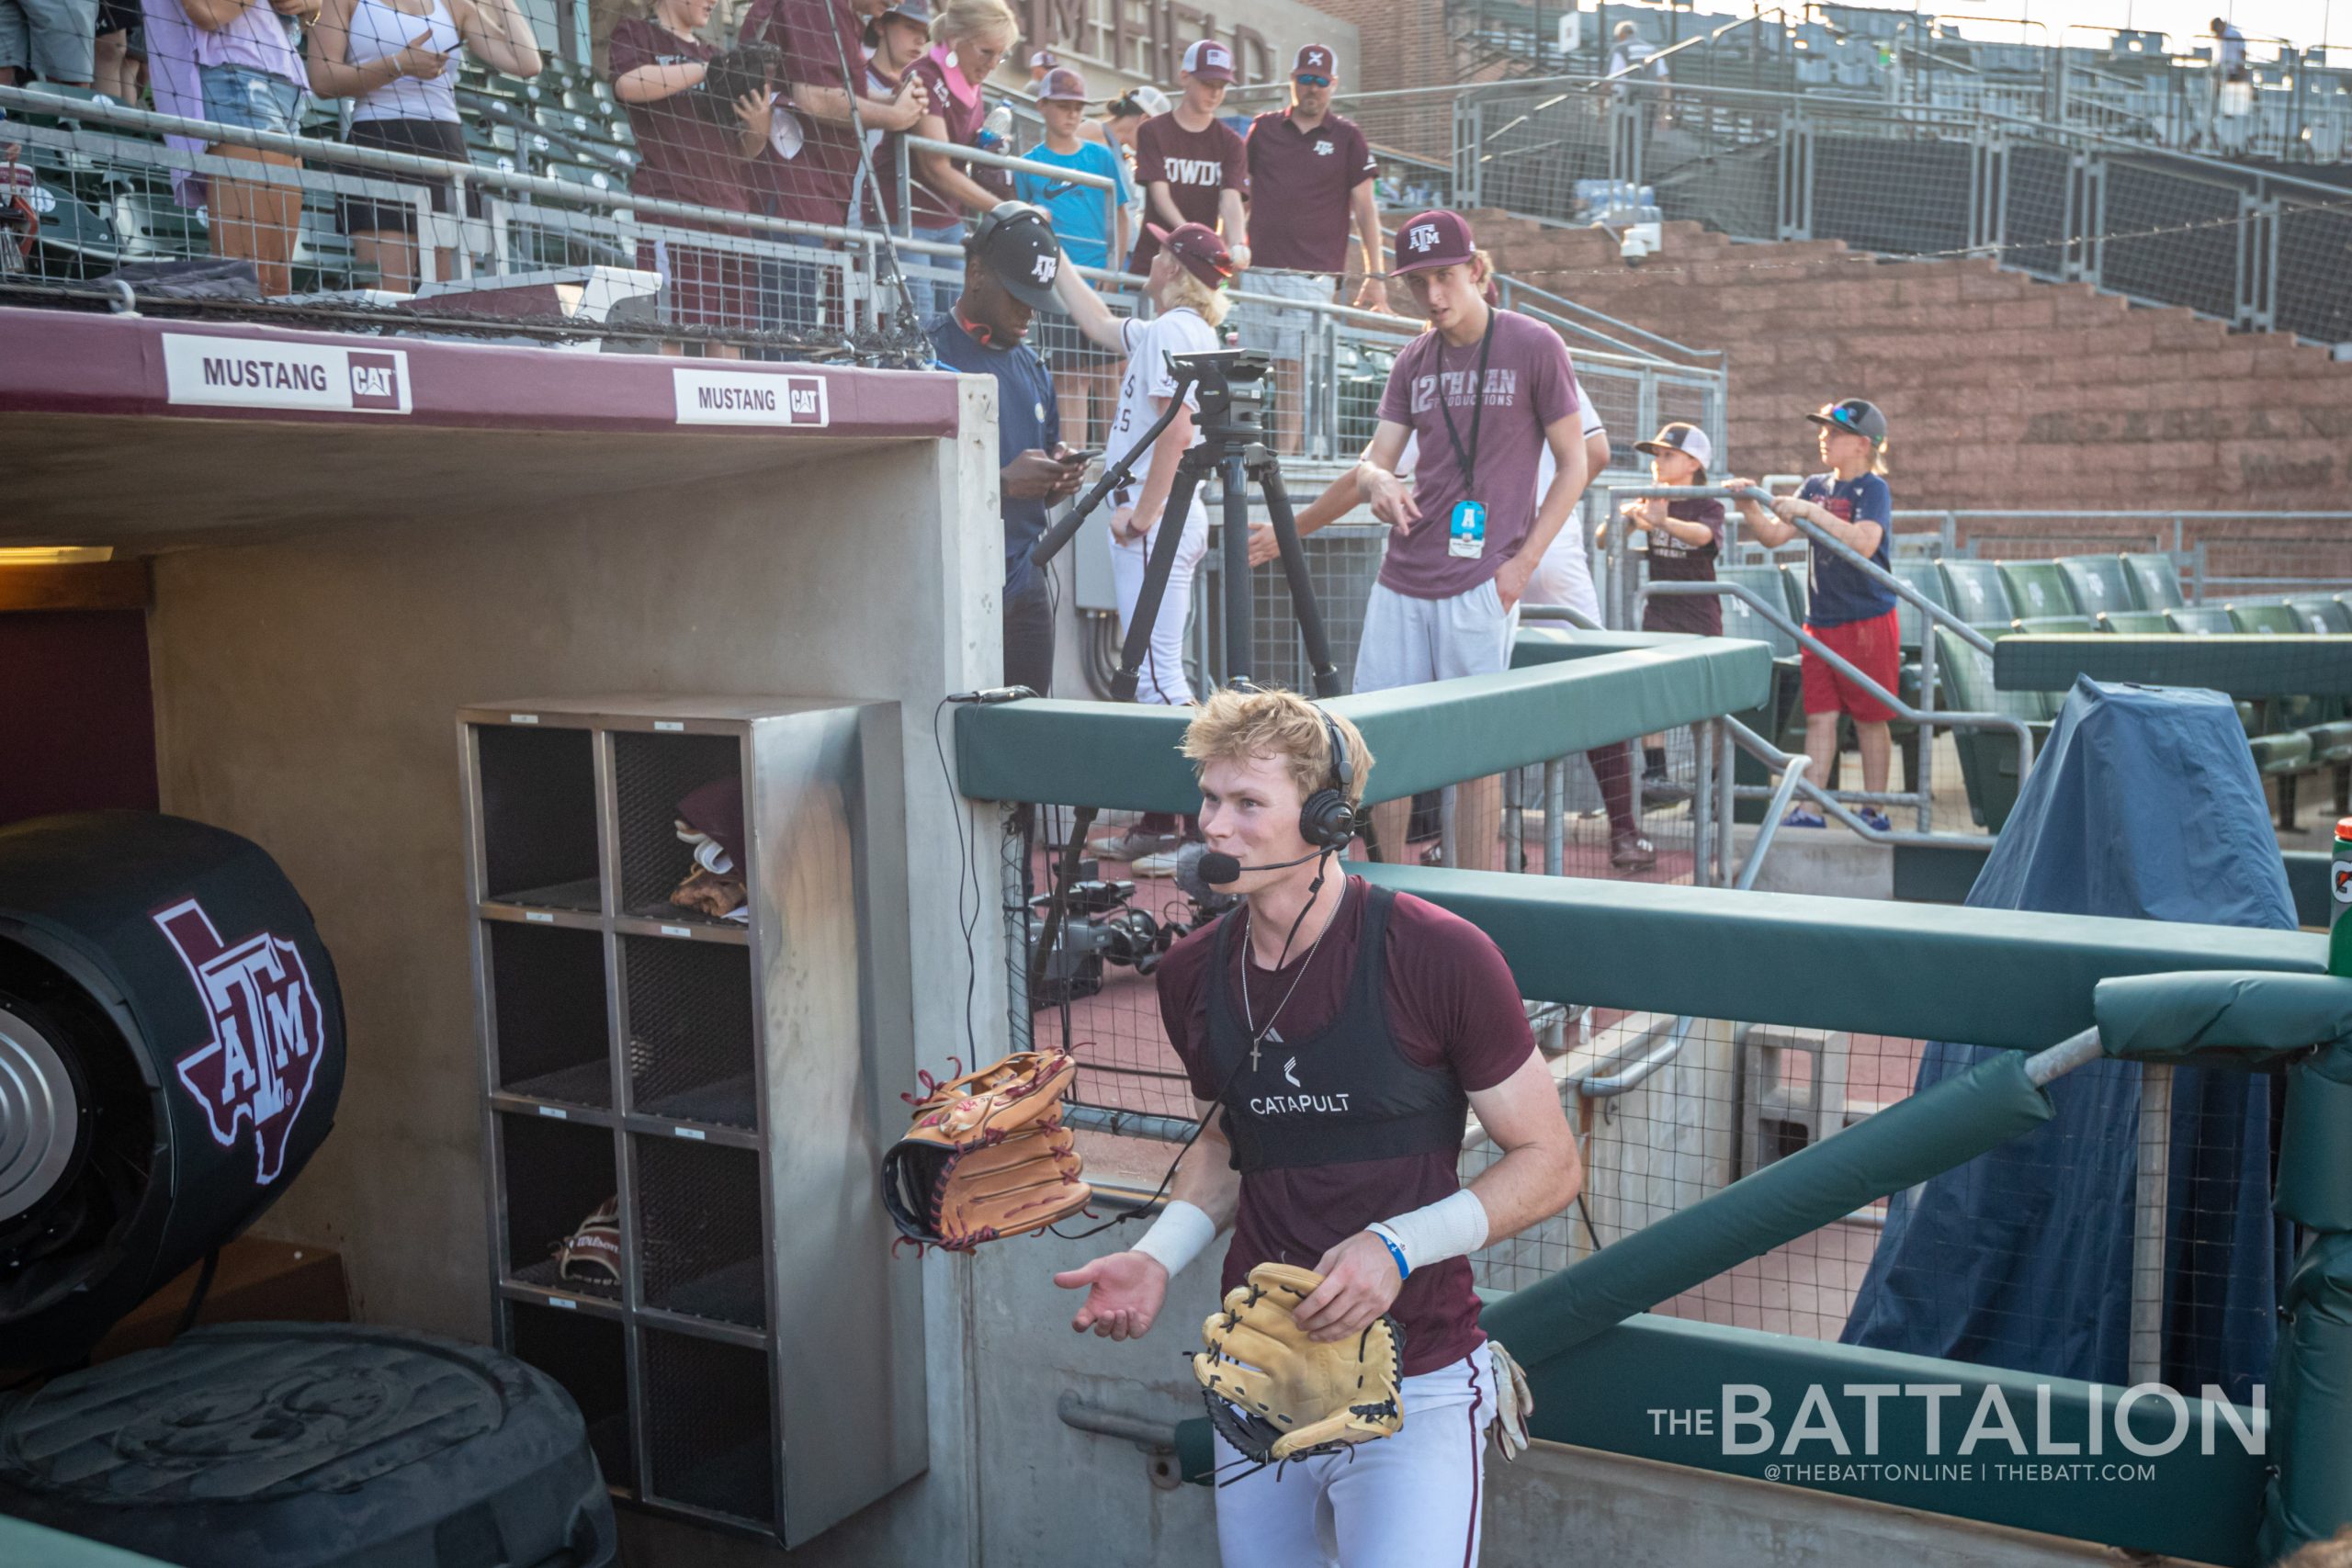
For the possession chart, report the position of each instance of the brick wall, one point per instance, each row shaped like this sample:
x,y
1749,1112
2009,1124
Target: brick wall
x,y
2002,392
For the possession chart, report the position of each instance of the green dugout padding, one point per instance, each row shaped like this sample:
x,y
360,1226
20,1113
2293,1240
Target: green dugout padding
x,y
1903,1144
2311,1394
1552,643
35,1546
1661,1388
1930,972
2220,1018
1125,756
2245,667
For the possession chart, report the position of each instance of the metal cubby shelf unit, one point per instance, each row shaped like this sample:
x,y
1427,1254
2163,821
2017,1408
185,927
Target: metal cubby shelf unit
x,y
634,1050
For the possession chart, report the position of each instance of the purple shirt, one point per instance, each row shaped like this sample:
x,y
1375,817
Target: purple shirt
x,y
816,37
1299,183
1529,383
177,49
1199,166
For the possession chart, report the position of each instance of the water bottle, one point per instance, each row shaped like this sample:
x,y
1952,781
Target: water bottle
x,y
2339,881
996,131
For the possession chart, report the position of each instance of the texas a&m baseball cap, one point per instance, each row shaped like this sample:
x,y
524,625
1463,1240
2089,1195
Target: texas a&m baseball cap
x,y
1210,61
1433,239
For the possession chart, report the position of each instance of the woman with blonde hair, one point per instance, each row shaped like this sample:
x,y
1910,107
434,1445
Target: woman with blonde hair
x,y
969,40
1185,287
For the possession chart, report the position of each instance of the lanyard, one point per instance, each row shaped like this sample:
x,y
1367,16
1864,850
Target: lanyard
x,y
1467,458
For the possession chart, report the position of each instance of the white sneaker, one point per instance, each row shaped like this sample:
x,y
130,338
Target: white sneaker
x,y
1161,862
1133,845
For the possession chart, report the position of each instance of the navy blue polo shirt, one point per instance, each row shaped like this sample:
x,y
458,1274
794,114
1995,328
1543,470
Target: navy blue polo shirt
x,y
1026,416
1841,593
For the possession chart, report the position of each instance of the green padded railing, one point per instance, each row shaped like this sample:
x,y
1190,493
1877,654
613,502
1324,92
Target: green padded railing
x,y
1124,755
2245,666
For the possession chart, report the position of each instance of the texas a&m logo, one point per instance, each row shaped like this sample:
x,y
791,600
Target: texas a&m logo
x,y
1421,238
267,1030
1042,269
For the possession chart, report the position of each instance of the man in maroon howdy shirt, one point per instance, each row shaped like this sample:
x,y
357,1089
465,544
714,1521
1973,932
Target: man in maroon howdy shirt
x,y
1191,164
1336,1036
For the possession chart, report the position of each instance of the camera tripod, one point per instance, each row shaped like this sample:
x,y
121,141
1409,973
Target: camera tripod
x,y
1230,383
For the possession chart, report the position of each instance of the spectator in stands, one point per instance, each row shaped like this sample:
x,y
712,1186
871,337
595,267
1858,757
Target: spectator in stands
x,y
1483,392
1310,177
1563,577
981,333
121,71
1041,62
1191,164
2229,50
1848,610
50,41
1189,268
1093,224
690,152
1629,54
396,60
969,39
234,62
810,177
897,36
1123,117
1683,537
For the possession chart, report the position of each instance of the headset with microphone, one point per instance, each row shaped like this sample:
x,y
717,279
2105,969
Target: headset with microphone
x,y
1327,818
975,243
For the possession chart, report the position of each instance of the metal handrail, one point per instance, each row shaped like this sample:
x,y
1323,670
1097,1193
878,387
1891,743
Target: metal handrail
x,y
1787,786
1561,305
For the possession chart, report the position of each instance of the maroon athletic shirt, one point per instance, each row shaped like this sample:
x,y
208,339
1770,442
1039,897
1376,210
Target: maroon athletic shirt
x,y
1451,1000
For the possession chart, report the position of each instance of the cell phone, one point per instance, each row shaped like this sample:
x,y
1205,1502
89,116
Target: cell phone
x,y
1080,457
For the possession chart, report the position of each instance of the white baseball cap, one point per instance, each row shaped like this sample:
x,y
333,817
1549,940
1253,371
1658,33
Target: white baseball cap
x,y
1687,439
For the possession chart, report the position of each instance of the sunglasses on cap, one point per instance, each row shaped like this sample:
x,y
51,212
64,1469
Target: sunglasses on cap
x,y
1306,79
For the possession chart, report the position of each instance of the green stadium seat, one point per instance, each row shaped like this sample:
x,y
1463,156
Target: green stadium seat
x,y
2054,626
1796,589
2135,623
2289,751
1974,591
2101,584
2038,588
2264,620
1781,717
1740,619
2323,614
1989,760
2155,580
1919,573
2200,620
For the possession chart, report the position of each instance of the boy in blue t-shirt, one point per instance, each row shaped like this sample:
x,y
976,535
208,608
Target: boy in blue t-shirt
x,y
1848,611
1093,224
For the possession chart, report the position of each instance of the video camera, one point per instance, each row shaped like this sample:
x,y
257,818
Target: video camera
x,y
1101,927
1230,384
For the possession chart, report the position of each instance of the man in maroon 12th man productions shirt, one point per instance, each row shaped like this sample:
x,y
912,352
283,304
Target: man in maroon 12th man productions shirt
x,y
1336,1036
1310,177
1193,165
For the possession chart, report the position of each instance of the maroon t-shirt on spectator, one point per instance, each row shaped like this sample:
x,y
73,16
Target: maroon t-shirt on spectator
x,y
1671,560
1299,185
683,154
1198,166
932,208
813,187
1529,383
1452,1002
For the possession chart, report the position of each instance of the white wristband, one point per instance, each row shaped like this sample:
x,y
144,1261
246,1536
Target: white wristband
x,y
1183,1233
1454,1226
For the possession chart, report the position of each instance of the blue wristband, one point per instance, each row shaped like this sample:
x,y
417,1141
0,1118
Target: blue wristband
x,y
1404,1269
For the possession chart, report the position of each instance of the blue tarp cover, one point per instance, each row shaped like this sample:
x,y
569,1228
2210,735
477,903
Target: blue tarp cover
x,y
2144,804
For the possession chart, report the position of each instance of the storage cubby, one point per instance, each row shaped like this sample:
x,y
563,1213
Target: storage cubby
x,y
698,1230
634,1048
551,1034
709,1443
537,799
650,774
589,1356
689,1053
553,1173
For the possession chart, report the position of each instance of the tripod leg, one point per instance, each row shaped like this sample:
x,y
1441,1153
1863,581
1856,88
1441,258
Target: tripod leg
x,y
1303,606
1237,608
1123,689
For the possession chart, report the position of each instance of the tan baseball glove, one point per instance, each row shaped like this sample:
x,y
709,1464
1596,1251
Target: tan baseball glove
x,y
1277,1395
988,1155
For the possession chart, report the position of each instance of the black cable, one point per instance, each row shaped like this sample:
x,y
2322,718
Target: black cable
x,y
195,1298
967,915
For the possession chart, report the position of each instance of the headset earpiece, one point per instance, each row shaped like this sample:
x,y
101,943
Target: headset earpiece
x,y
1327,819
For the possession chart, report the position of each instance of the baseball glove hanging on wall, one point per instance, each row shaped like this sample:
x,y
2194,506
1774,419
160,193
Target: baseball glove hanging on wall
x,y
987,1156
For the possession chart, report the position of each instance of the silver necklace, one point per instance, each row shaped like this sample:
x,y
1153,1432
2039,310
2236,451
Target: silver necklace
x,y
1258,1036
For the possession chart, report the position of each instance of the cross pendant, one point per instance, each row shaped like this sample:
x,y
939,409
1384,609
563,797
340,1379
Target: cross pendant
x,y
1253,1055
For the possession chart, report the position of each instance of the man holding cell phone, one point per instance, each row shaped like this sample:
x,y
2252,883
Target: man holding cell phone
x,y
1011,260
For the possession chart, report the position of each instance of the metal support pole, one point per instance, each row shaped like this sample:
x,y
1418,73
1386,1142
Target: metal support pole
x,y
1703,826
1724,808
2150,1189
1555,801
1449,842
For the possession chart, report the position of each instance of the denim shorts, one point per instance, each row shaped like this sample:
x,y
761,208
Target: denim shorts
x,y
251,99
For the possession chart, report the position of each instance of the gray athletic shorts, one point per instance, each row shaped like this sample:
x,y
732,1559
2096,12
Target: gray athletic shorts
x,y
56,38
1408,640
1279,331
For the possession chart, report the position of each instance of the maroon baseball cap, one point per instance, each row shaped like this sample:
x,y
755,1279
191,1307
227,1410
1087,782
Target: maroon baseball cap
x,y
1314,60
1062,86
1433,239
1210,61
1198,247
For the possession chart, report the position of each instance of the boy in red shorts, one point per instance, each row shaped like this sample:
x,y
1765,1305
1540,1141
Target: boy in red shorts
x,y
1848,610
